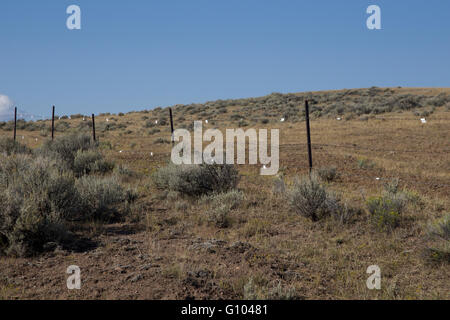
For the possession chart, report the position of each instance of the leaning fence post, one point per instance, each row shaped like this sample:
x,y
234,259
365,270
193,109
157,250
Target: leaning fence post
x,y
171,125
15,123
308,135
93,127
53,122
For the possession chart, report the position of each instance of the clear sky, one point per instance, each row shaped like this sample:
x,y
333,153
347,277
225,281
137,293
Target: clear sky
x,y
137,54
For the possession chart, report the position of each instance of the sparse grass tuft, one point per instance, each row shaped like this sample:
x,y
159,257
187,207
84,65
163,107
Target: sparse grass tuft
x,y
364,163
327,174
439,233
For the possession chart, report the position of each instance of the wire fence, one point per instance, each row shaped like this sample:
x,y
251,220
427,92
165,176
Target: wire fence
x,y
151,155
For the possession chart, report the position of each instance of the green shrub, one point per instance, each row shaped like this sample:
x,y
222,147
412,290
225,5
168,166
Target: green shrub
x,y
242,123
181,206
196,180
279,186
154,130
392,187
440,228
280,292
385,212
364,163
149,124
124,172
311,199
162,121
220,206
65,148
220,216
76,116
99,198
102,166
327,174
84,162
439,232
35,198
161,141
232,199
61,126
8,146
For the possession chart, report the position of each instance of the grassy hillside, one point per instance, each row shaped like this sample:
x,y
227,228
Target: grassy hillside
x,y
383,174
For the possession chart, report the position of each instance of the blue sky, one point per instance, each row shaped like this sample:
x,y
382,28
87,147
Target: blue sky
x,y
131,55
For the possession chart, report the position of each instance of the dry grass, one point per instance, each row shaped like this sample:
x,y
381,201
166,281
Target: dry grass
x,y
281,251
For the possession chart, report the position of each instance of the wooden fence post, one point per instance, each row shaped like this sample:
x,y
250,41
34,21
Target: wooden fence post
x,y
15,123
171,125
53,122
308,136
93,127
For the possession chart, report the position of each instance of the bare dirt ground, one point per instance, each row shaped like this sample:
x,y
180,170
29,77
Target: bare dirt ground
x,y
176,254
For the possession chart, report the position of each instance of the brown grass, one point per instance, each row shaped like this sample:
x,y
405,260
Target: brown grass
x,y
320,260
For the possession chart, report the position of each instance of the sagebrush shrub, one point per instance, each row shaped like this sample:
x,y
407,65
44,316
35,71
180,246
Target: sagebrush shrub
x,y
196,180
310,198
220,206
65,148
101,198
161,141
8,146
439,232
440,228
385,212
35,199
327,173
84,161
220,215
232,199
364,163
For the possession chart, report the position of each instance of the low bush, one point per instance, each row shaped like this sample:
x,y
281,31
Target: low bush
x,y
102,198
8,146
311,199
327,174
196,180
161,141
232,199
65,148
220,216
364,163
439,232
84,162
39,193
386,210
35,198
220,206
